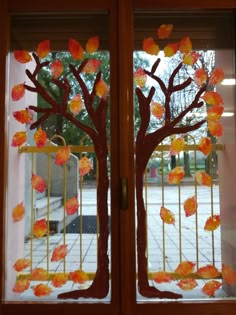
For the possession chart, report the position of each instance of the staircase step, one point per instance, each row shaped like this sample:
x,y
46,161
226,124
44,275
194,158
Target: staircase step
x,y
41,205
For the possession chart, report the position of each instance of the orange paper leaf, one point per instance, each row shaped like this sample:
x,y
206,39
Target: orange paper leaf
x,y
17,92
72,205
187,284
79,276
92,44
212,223
43,49
140,77
21,264
150,47
59,279
19,138
185,268
162,276
40,228
215,128
22,56
229,275
216,76
190,58
210,287
203,178
205,145
164,31
215,112
84,166
177,145
208,272
39,274
190,206
21,285
62,155
176,175
185,45
42,290
200,76
171,49
38,183
40,138
56,68
59,253
23,116
92,66
18,212
212,98
76,49
76,104
167,216
101,89
157,110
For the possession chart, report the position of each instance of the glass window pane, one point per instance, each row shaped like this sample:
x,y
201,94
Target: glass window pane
x,y
185,147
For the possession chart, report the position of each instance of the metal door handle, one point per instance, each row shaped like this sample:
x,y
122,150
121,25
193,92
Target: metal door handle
x,y
124,193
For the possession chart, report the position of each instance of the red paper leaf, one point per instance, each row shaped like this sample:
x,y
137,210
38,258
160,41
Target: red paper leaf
x,y
187,284
21,285
167,216
56,68
185,45
18,212
215,112
76,49
162,276
59,280
76,104
22,56
208,272
43,49
101,89
157,110
92,44
210,287
191,58
200,76
185,268
171,49
42,290
203,178
62,155
215,128
17,92
38,183
40,138
84,166
39,274
23,116
21,264
205,145
79,276
19,138
190,206
212,223
59,253
92,66
140,77
212,98
216,76
229,275
72,205
176,175
164,31
150,47
40,228
177,145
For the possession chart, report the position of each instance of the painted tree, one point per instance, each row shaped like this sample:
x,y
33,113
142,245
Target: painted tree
x,y
146,142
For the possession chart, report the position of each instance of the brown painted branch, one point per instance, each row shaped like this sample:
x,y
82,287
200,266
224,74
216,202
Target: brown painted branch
x,y
158,80
155,65
40,120
39,65
65,86
185,129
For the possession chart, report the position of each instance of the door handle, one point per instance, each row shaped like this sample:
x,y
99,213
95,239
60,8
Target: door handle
x,y
124,193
